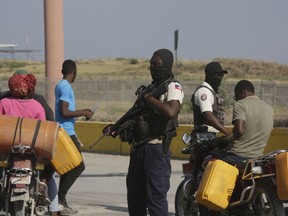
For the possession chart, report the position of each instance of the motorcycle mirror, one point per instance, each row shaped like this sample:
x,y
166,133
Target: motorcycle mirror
x,y
186,138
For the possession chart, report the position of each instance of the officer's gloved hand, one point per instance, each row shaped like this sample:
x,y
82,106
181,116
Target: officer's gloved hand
x,y
108,130
160,89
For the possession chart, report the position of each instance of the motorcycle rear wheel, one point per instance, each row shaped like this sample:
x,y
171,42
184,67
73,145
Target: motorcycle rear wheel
x,y
186,205
265,201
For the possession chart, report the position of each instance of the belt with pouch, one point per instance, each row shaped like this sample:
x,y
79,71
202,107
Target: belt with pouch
x,y
155,141
152,142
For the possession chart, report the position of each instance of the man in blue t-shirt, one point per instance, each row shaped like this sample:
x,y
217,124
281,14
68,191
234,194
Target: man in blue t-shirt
x,y
65,113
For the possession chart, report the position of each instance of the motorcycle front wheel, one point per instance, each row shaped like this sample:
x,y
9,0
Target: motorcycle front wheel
x,y
265,201
185,204
17,208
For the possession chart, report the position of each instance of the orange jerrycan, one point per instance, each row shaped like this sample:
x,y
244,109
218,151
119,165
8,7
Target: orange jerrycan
x,y
41,135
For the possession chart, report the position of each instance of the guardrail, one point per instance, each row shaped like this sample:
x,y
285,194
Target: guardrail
x,y
89,132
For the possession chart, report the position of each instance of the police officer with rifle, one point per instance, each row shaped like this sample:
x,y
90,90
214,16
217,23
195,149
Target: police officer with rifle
x,y
149,127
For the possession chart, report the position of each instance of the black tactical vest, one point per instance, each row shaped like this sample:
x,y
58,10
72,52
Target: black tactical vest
x,y
151,125
217,109
148,125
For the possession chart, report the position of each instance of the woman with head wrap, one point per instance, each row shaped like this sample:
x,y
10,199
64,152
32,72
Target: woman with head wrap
x,y
21,103
20,86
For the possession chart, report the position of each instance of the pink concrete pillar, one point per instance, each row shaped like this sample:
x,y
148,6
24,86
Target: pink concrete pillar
x,y
54,46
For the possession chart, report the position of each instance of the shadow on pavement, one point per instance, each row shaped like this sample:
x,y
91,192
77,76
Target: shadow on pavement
x,y
122,209
115,208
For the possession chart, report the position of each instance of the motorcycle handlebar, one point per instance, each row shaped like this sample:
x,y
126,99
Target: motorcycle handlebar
x,y
202,142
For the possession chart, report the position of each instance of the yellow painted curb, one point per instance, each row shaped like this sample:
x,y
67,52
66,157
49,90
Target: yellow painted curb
x,y
89,132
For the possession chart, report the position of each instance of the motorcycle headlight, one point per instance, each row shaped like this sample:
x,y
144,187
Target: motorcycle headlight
x,y
257,170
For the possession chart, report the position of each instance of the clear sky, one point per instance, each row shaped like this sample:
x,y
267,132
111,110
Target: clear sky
x,y
249,29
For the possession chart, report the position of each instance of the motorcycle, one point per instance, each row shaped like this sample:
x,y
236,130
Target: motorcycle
x,y
255,191
20,184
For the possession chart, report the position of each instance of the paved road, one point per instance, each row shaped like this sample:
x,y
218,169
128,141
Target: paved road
x,y
101,189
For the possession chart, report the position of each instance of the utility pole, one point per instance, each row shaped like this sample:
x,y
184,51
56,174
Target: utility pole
x,y
54,46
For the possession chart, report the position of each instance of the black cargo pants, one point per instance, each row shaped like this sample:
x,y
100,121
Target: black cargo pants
x,y
148,180
68,179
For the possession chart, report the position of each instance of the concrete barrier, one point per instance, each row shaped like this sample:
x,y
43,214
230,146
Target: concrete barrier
x,y
89,132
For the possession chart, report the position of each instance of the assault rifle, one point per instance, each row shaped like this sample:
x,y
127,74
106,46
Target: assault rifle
x,y
139,105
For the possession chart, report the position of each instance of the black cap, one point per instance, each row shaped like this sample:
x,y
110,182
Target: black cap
x,y
214,67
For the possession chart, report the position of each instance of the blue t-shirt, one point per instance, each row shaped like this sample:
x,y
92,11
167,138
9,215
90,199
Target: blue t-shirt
x,y
64,92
